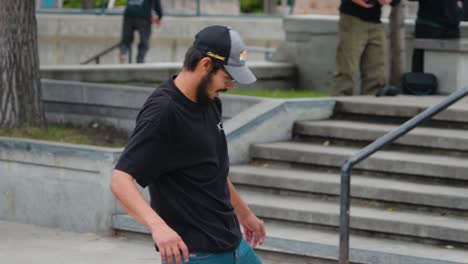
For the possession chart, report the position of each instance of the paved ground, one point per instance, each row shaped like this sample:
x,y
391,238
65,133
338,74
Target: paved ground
x,y
21,243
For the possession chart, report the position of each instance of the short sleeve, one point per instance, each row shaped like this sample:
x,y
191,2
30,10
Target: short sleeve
x,y
145,156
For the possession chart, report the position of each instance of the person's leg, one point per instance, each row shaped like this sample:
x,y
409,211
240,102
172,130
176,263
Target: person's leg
x,y
417,64
246,255
127,38
373,61
465,10
352,36
144,29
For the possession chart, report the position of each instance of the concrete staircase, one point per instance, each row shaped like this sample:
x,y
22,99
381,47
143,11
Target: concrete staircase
x,y
409,201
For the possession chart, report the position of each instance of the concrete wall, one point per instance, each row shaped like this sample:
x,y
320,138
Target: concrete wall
x,y
211,7
117,105
269,121
311,42
56,185
71,39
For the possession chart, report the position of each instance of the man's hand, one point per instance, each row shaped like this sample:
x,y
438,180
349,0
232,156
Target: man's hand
x,y
364,3
169,243
385,2
254,230
156,20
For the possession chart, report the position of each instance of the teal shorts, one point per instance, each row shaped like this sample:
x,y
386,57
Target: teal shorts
x,y
244,254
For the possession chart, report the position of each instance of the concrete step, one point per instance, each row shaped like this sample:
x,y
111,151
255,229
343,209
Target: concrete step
x,y
383,161
303,240
379,221
449,139
365,187
307,245
401,106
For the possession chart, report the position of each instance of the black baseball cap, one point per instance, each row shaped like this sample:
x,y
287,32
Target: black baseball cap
x,y
226,45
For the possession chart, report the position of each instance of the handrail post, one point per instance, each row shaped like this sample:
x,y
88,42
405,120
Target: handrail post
x,y
103,7
130,55
198,8
344,211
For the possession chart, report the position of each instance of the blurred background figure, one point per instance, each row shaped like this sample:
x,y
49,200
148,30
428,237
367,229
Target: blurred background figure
x,y
436,20
361,46
138,16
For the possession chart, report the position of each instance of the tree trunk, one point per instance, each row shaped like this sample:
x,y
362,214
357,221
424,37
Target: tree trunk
x,y
87,4
397,44
20,86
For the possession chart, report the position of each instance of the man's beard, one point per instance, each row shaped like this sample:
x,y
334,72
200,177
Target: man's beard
x,y
202,89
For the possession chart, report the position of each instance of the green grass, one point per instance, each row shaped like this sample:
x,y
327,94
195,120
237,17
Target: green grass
x,y
280,94
97,3
100,136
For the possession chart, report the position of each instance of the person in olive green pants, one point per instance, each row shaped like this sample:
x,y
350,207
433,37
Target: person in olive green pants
x,y
362,43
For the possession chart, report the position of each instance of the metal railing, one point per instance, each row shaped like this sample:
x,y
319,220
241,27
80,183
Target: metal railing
x,y
97,58
371,149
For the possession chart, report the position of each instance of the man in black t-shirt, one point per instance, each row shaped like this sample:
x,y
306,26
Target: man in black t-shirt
x,y
138,17
361,46
179,150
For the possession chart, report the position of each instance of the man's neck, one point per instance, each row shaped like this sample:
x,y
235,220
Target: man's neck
x,y
187,82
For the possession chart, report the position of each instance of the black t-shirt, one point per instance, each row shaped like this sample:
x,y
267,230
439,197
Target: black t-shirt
x,y
445,13
179,150
142,8
367,14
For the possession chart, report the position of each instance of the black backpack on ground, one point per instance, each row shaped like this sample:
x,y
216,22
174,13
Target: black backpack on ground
x,y
418,83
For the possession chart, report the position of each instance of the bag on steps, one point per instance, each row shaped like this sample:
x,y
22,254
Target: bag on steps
x,y
418,83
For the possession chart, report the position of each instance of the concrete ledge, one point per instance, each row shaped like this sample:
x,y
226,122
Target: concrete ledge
x,y
56,185
447,60
449,45
117,105
270,75
271,120
82,103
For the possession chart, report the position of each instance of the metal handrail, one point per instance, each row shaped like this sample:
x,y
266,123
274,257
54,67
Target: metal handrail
x,y
269,52
96,58
371,149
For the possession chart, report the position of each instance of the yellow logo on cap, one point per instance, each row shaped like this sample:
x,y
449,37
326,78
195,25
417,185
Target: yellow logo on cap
x,y
243,56
216,56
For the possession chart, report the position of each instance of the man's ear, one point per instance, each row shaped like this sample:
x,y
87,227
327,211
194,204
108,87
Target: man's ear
x,y
205,65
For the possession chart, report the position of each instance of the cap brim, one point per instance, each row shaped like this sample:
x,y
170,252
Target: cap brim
x,y
242,74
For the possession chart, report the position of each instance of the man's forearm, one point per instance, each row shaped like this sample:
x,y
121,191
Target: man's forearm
x,y
132,201
240,207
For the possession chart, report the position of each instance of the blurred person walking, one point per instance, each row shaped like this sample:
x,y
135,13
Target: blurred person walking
x,y
138,17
